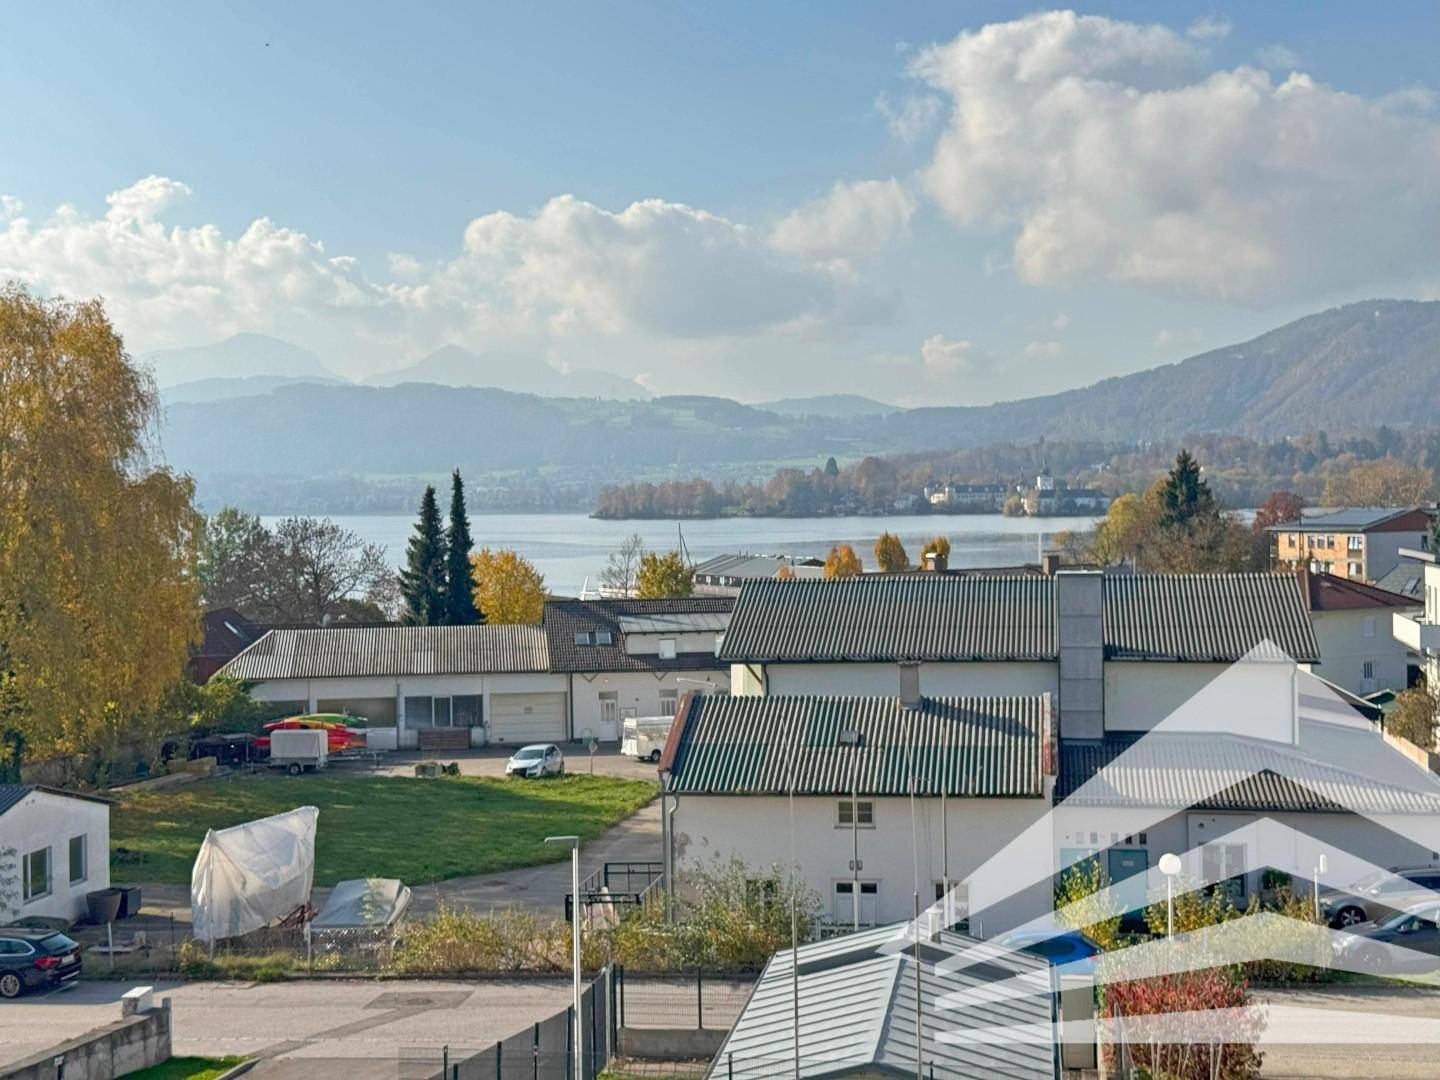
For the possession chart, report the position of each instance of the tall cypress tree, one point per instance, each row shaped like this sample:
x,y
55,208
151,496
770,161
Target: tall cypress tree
x,y
422,581
460,609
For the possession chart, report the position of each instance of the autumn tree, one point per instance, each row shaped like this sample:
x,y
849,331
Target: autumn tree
x,y
664,575
1385,482
460,592
422,581
98,586
1279,508
890,554
236,564
940,545
842,562
325,573
618,577
1414,715
508,588
784,573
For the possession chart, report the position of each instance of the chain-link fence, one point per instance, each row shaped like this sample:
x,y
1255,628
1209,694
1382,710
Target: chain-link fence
x,y
543,1051
696,999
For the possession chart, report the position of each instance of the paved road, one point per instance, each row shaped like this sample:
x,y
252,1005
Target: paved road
x,y
351,1029
1344,1031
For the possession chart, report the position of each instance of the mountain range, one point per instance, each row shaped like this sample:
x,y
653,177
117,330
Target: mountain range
x,y
1348,368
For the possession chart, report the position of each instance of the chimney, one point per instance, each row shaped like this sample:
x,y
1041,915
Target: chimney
x,y
936,561
1079,610
909,685
1049,563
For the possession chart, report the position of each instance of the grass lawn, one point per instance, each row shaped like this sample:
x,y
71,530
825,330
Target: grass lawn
x,y
187,1068
411,829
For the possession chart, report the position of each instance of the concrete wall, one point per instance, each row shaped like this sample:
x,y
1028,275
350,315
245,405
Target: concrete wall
x,y
755,829
337,693
1382,551
1079,608
42,820
1253,699
638,690
700,641
1350,638
125,1046
671,1044
936,680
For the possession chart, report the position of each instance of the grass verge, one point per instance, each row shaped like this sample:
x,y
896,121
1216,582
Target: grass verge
x,y
415,830
187,1068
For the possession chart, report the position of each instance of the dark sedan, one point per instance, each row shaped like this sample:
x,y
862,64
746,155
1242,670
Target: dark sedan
x,y
1407,943
36,960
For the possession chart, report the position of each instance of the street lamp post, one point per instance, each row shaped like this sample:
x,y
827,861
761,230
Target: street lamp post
x,y
574,843
1170,865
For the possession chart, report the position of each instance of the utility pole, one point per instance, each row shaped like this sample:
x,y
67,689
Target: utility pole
x,y
574,842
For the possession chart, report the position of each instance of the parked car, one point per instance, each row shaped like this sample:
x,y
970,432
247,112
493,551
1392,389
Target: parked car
x,y
538,759
1379,895
36,959
1407,942
339,736
1066,947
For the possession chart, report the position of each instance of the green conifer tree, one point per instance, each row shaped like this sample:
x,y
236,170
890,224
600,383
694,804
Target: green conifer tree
x,y
422,581
460,609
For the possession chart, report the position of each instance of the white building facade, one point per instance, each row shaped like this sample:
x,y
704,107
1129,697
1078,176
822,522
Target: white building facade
x,y
59,845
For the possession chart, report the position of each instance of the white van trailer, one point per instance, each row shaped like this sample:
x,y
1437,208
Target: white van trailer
x,y
644,736
299,750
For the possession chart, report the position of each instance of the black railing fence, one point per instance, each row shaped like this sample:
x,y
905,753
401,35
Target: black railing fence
x,y
693,999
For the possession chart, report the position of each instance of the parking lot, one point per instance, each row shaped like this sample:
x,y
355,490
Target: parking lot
x,y
490,761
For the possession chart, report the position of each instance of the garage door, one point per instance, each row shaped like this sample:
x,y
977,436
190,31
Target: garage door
x,y
527,718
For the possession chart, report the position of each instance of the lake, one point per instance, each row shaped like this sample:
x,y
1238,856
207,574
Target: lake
x,y
571,549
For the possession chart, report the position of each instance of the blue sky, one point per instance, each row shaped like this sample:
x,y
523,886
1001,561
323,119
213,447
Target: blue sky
x,y
1068,199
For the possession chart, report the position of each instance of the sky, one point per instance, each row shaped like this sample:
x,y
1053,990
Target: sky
x,y
927,203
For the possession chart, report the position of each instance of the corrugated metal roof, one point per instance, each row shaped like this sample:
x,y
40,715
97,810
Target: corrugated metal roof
x,y
566,618
757,566
961,746
1203,771
892,617
857,1014
1205,617
1351,517
340,652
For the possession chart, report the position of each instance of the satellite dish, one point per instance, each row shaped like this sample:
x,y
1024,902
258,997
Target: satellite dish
x,y
1170,864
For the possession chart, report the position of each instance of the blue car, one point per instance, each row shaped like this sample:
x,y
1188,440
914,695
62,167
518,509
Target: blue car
x,y
1065,947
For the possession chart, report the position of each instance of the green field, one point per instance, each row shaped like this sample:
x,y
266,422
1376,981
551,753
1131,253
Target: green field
x,y
188,1068
414,830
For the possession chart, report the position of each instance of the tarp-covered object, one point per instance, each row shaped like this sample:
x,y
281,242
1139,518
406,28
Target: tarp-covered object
x,y
363,903
247,876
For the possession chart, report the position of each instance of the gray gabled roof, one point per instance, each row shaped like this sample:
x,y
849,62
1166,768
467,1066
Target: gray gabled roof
x,y
961,746
889,617
944,617
1351,517
857,1013
352,652
12,794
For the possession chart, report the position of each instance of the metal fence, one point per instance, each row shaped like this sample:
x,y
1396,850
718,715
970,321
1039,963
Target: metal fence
x,y
543,1051
696,999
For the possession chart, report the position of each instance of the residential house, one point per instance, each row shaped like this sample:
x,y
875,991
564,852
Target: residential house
x,y
225,633
434,687
624,658
1408,576
1053,496
1357,543
61,849
1352,627
860,1003
885,792
724,574
1420,632
971,498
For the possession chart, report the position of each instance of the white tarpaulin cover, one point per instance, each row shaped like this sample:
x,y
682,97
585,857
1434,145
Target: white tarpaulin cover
x,y
363,903
247,876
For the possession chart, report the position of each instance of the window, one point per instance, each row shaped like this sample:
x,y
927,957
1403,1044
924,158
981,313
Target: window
x,y
1355,542
669,702
609,707
584,637
667,648
604,637
843,909
1370,626
78,870
1355,569
419,711
864,817
594,637
467,710
36,873
960,903
1367,677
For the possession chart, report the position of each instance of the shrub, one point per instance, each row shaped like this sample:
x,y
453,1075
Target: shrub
x,y
1212,1045
1078,896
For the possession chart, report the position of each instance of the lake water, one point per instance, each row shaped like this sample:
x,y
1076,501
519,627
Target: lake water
x,y
571,549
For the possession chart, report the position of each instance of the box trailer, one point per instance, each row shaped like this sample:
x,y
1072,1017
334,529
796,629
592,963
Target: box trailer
x,y
644,736
299,750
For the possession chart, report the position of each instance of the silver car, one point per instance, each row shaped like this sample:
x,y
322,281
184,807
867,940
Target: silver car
x,y
538,759
1378,896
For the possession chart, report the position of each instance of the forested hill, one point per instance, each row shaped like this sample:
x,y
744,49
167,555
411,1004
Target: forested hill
x,y
1351,368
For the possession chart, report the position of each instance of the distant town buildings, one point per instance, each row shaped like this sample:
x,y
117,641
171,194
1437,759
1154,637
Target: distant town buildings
x,y
1359,543
1048,496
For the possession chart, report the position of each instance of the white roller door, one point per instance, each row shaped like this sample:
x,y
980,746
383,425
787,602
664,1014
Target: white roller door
x,y
527,718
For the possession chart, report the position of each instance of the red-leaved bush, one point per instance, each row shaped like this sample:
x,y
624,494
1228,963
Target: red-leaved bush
x,y
1170,1028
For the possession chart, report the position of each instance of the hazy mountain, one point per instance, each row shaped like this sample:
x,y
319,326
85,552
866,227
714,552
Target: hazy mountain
x,y
239,356
246,386
839,406
1354,367
452,365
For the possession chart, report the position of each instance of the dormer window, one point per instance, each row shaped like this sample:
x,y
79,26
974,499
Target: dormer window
x,y
667,648
594,637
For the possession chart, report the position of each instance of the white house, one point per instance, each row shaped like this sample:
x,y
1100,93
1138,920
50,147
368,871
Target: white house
x,y
1420,632
1352,623
624,658
436,687
54,848
980,769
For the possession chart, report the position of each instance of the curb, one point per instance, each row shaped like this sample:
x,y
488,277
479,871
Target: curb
x,y
237,1070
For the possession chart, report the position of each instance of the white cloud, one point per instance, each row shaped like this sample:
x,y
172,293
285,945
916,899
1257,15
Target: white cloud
x,y
10,207
1209,28
943,357
1108,151
1278,57
853,219
912,117
1061,321
1044,350
1167,338
655,271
